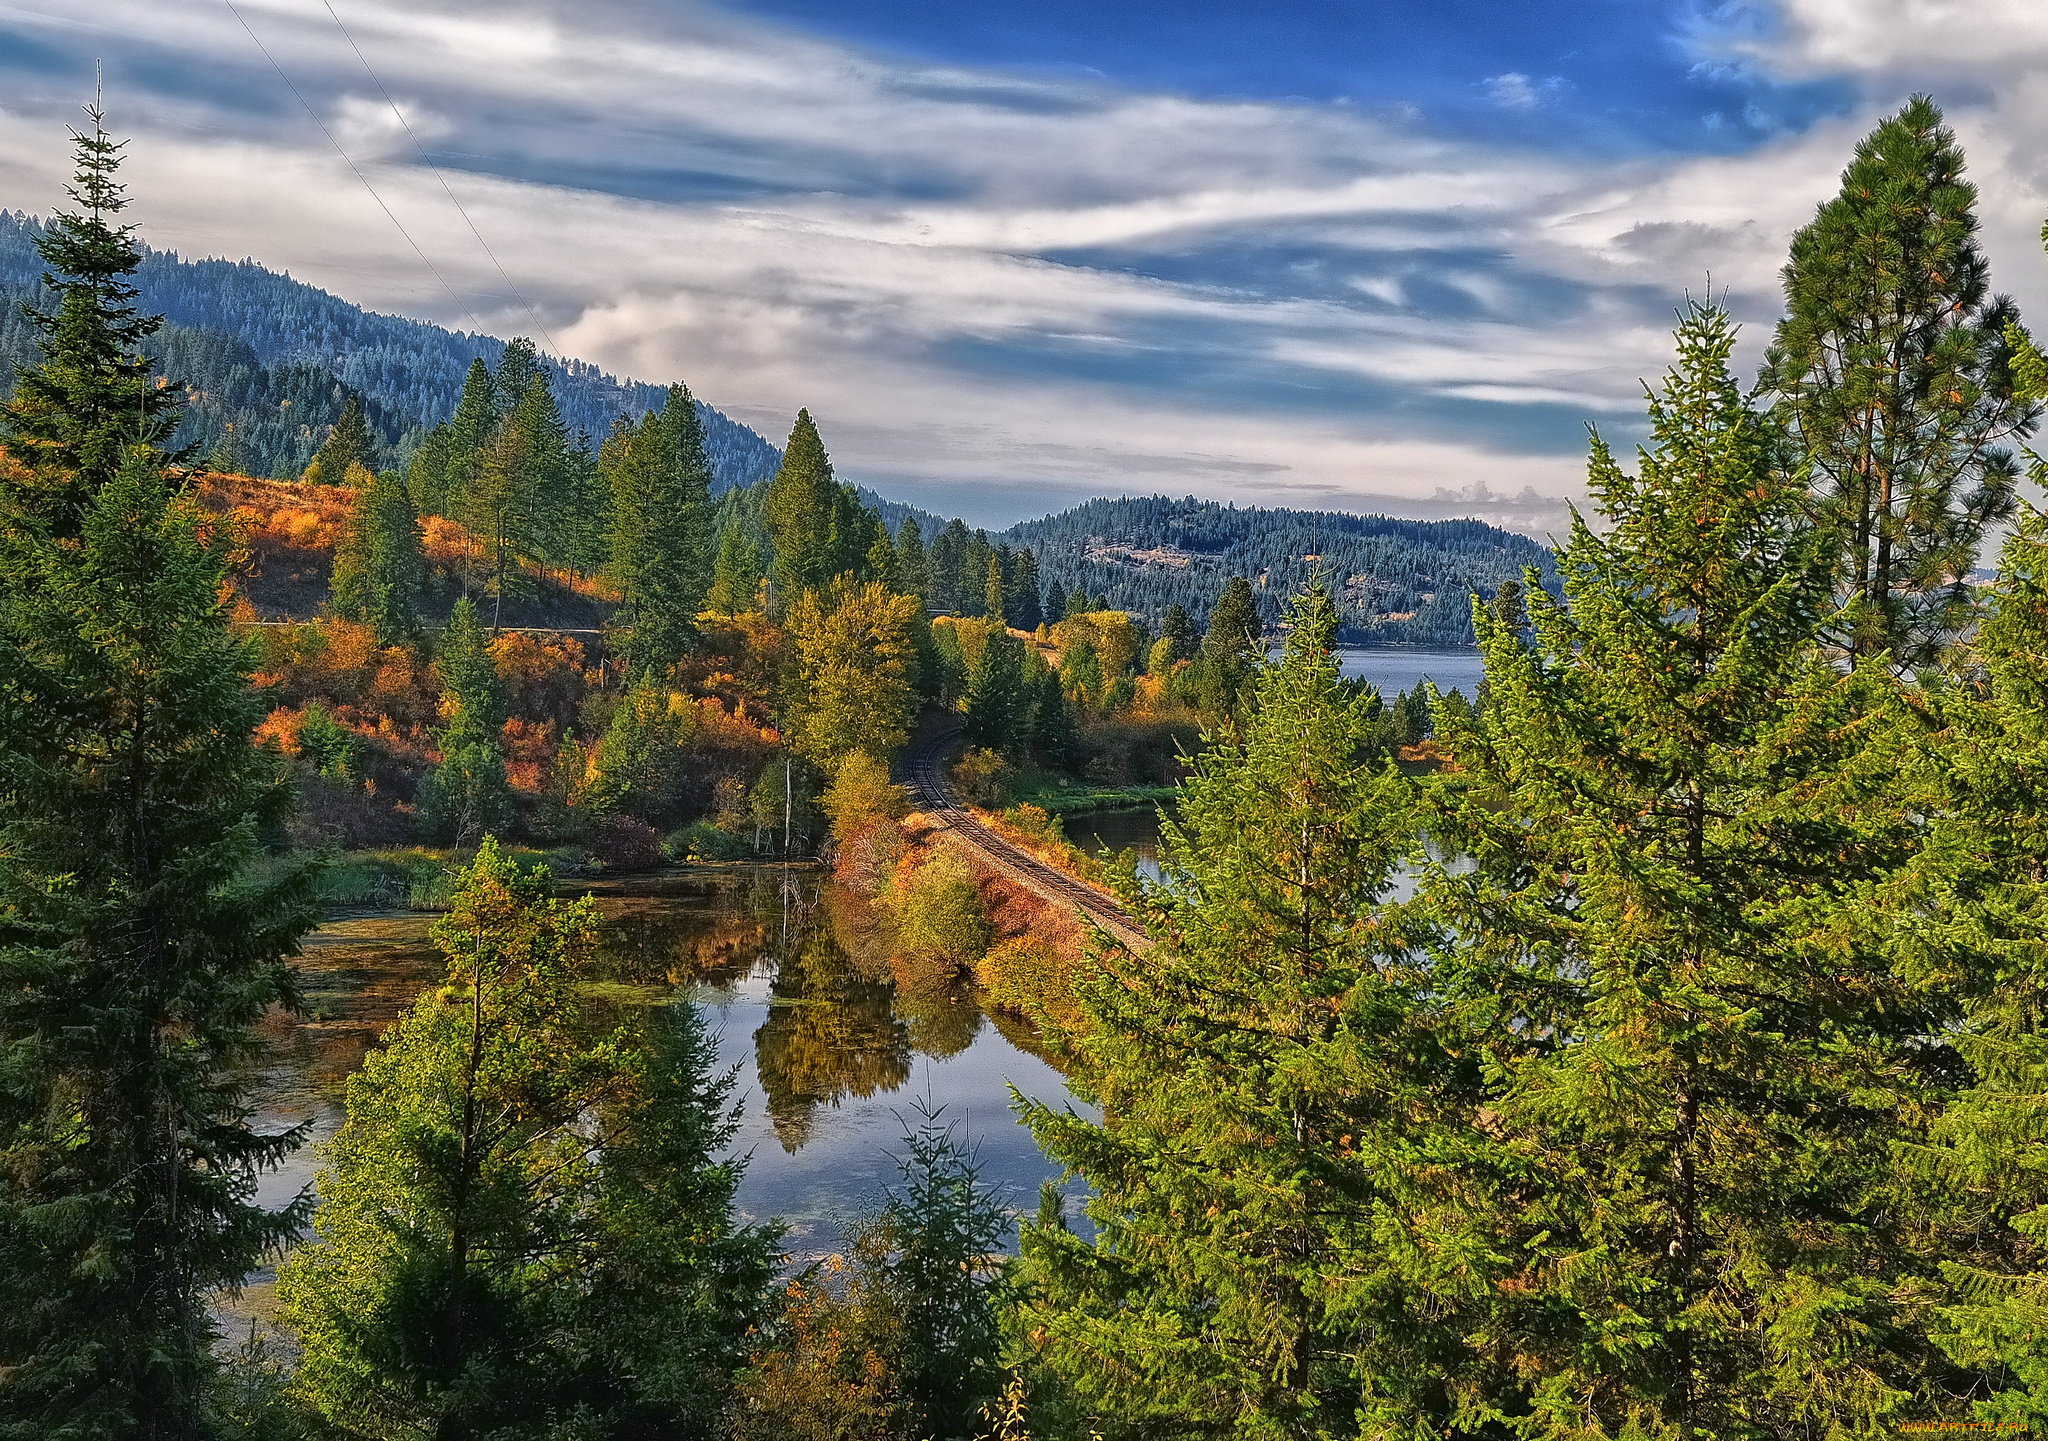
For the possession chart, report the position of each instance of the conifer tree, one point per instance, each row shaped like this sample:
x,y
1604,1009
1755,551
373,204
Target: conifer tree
x,y
139,943
468,674
1970,918
912,575
518,368
736,577
994,593
348,443
1890,369
465,798
469,429
943,561
1020,592
972,585
497,508
672,569
997,702
426,475
1177,628
798,510
379,566
1281,1125
523,1224
1676,810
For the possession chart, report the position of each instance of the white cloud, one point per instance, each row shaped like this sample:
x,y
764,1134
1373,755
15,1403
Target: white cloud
x,y
786,222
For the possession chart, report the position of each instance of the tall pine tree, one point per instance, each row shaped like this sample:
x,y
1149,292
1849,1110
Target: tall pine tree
x,y
138,942
379,565
1676,812
1890,369
1280,1121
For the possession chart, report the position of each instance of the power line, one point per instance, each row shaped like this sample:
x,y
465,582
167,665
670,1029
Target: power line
x,y
530,308
476,324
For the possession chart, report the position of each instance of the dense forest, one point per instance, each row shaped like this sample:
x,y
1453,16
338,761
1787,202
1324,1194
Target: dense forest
x,y
269,362
1649,1045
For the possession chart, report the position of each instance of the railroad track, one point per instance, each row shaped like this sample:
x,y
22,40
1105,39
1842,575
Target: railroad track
x,y
928,780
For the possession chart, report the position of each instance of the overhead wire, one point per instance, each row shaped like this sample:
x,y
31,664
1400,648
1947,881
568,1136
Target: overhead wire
x,y
510,284
388,213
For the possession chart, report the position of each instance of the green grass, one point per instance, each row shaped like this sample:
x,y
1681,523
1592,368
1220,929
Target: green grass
x,y
1070,800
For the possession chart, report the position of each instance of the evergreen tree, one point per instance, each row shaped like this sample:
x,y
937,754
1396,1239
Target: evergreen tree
x,y
912,576
736,577
1283,1133
522,1221
672,571
226,456
518,369
1677,809
468,674
1234,625
75,414
1020,592
465,798
994,593
1076,603
497,507
1890,368
972,586
426,475
469,429
944,561
379,566
553,523
348,443
1177,629
998,699
139,939
1054,738
798,510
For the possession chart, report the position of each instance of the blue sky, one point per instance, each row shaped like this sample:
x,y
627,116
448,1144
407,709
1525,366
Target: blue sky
x,y
1378,256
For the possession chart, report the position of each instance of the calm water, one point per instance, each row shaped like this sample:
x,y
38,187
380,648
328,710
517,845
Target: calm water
x,y
1394,671
830,1047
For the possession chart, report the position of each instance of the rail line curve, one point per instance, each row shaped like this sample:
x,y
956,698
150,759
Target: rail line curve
x,y
935,796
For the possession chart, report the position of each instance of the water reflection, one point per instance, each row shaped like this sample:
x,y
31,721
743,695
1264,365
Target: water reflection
x,y
827,1039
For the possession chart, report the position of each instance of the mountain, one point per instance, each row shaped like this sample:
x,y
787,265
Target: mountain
x,y
276,358
268,363
1396,582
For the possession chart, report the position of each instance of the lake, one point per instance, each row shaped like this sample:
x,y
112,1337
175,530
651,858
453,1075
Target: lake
x,y
1393,671
828,1051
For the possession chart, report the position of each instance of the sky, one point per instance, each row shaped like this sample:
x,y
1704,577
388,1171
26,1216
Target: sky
x,y
1384,257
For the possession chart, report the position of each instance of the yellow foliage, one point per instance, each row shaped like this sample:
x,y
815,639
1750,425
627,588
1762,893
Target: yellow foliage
x,y
1113,634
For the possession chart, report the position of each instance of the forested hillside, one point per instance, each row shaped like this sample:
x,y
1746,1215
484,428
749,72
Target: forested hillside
x,y
1395,582
269,362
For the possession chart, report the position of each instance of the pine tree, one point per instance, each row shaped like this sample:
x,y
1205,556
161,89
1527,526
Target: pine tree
x,y
518,368
426,475
522,1220
348,443
1020,592
1234,625
1177,628
379,566
1283,1132
994,593
1890,368
465,798
468,674
1677,811
912,575
943,561
972,585
469,430
74,415
798,510
736,577
139,939
673,568
998,709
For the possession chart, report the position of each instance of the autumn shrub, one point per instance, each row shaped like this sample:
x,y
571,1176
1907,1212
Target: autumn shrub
x,y
981,777
703,841
621,843
939,915
861,796
541,676
1031,977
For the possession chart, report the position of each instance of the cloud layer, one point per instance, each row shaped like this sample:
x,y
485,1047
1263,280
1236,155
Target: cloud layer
x,y
999,293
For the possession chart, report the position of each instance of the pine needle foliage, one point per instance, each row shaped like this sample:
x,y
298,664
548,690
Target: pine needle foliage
x,y
137,949
1891,371
1280,1249
1675,811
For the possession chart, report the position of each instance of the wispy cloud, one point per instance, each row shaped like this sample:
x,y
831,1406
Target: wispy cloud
x,y
995,291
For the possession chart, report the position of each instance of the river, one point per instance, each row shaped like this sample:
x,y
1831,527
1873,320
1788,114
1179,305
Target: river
x,y
827,1052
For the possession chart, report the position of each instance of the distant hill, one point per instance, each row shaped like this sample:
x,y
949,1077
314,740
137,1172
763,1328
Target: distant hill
x,y
275,357
269,361
1396,582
